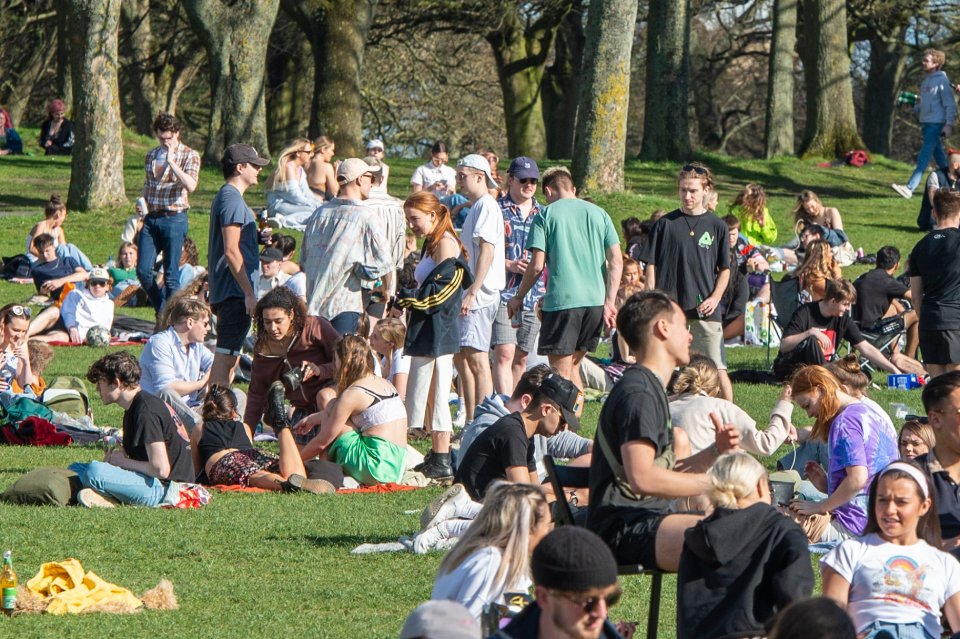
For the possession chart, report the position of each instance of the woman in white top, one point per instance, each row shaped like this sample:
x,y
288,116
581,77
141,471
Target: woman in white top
x,y
895,578
15,372
435,175
387,341
493,555
289,198
321,174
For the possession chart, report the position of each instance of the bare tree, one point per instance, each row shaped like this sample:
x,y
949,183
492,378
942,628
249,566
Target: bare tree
x,y
601,139
666,132
96,178
778,131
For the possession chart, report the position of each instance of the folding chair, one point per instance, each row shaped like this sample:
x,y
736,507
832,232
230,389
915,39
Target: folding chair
x,y
884,336
577,477
785,296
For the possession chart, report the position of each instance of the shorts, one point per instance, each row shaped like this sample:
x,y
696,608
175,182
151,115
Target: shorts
x,y
369,460
233,324
239,466
476,327
940,346
708,339
525,337
570,330
634,538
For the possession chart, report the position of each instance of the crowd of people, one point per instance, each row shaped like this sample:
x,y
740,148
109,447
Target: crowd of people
x,y
478,292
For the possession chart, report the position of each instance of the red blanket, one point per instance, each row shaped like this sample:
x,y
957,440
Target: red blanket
x,y
35,431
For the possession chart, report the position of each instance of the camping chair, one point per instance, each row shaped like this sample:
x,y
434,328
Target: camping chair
x,y
577,477
785,297
884,336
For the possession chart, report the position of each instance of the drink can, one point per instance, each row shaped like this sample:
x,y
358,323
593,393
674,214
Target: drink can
x,y
142,206
517,320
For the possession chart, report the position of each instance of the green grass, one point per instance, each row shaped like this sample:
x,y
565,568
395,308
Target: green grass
x,y
267,565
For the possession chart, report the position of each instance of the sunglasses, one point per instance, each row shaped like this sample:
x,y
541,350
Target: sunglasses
x,y
699,170
528,181
590,604
96,283
21,311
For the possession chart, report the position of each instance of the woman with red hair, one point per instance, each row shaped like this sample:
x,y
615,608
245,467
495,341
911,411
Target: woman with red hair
x,y
10,142
56,132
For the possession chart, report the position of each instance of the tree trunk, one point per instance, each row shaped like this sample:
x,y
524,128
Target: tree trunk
x,y
887,61
96,178
235,35
139,47
521,54
666,131
601,139
778,132
831,129
64,83
287,89
561,85
337,31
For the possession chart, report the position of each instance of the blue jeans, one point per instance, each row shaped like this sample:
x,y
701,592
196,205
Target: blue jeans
x,y
161,235
346,322
126,486
71,250
896,631
931,147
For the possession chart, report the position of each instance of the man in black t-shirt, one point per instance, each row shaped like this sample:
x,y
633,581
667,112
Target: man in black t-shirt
x,y
632,470
155,455
505,450
935,284
816,330
879,294
688,258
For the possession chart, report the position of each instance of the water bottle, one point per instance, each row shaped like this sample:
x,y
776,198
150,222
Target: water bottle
x,y
8,584
905,97
900,410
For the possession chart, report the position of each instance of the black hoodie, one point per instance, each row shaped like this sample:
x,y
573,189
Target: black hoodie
x,y
738,569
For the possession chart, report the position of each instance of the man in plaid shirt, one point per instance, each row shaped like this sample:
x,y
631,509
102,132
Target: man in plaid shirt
x,y
171,174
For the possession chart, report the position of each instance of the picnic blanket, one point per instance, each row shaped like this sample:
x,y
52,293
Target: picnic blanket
x,y
114,341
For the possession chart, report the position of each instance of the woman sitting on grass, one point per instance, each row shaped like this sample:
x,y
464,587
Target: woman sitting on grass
x,y
756,223
15,372
493,555
817,268
222,447
54,216
387,341
364,429
895,579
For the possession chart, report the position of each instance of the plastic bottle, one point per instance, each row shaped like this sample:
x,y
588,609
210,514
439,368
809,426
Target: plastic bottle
x,y
8,584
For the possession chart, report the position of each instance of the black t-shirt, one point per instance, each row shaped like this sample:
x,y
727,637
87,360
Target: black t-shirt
x,y
501,446
222,434
148,421
837,328
875,290
947,493
43,272
688,251
636,409
934,261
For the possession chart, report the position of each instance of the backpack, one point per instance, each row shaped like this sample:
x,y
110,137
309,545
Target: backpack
x,y
16,266
67,395
856,158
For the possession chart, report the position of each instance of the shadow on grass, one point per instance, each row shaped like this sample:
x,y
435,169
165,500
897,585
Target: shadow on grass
x,y
347,541
19,202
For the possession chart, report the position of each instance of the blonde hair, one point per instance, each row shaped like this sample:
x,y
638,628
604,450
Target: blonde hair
x,y
848,372
279,176
799,210
391,330
752,200
510,513
699,376
732,477
938,56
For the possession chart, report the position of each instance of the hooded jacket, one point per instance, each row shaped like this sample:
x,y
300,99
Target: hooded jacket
x,y
738,569
936,104
432,328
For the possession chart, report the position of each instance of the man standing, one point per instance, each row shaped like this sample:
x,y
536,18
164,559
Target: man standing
x,y
232,259
343,249
935,286
578,244
482,237
687,257
388,211
511,345
171,174
175,365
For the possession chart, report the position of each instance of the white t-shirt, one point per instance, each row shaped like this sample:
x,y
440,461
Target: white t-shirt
x,y
399,364
896,584
473,583
427,175
83,310
485,223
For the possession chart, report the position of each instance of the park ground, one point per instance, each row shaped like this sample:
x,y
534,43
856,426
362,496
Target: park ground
x,y
280,565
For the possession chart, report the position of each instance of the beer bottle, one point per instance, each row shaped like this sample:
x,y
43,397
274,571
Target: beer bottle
x,y
8,584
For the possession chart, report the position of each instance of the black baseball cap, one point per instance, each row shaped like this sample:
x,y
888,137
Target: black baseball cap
x,y
243,154
566,395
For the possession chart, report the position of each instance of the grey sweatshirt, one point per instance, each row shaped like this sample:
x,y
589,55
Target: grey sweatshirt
x,y
936,104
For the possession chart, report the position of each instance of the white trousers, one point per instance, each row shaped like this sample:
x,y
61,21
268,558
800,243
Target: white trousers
x,y
418,390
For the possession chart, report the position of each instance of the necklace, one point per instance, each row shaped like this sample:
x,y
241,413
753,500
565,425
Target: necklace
x,y
692,229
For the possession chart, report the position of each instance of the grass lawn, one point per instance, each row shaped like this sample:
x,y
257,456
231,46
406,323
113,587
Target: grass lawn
x,y
279,565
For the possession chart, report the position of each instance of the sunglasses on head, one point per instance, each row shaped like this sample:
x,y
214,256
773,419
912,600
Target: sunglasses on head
x,y
590,604
21,311
699,170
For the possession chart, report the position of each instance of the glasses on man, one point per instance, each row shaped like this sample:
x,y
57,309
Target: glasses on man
x,y
589,605
699,170
529,181
462,176
21,311
96,283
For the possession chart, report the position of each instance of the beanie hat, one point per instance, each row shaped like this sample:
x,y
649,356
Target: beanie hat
x,y
573,559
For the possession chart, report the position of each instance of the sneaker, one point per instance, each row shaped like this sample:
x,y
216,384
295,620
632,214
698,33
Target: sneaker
x,y
296,483
89,498
275,222
274,414
438,467
460,419
444,507
903,190
430,539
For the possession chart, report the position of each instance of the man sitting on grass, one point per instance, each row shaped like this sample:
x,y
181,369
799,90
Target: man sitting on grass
x,y
82,310
154,457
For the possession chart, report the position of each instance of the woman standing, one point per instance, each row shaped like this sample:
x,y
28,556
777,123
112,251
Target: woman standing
x,y
432,332
435,176
289,198
56,132
321,174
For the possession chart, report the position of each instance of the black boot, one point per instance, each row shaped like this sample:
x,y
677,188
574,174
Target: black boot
x,y
274,414
438,466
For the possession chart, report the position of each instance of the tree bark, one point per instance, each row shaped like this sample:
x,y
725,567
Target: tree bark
x,y
831,128
64,82
337,31
601,139
139,46
561,85
96,178
666,130
235,35
778,135
287,84
887,61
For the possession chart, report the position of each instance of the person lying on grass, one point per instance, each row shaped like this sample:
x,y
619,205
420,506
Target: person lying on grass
x,y
154,459
364,429
222,448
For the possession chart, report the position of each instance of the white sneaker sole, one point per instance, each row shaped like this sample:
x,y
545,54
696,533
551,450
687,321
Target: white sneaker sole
x,y
435,512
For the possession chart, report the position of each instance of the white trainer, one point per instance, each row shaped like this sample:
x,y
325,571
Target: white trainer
x,y
444,507
902,190
430,539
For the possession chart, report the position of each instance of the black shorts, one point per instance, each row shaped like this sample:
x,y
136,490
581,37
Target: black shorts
x,y
570,330
940,346
634,540
233,324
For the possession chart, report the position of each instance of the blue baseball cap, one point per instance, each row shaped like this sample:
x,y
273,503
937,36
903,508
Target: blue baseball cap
x,y
524,168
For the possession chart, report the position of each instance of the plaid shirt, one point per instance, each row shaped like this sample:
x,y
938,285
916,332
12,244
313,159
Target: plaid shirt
x,y
168,193
515,231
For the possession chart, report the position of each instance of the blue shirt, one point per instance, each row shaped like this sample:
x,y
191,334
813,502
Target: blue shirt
x,y
166,359
515,231
229,209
